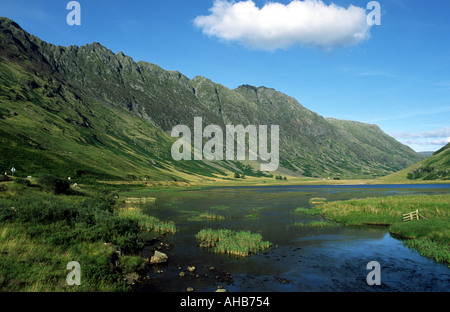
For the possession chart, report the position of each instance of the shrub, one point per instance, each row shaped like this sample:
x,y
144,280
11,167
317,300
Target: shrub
x,y
54,184
22,181
130,264
129,241
4,178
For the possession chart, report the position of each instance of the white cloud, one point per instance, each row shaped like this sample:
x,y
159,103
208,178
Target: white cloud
x,y
438,133
439,142
276,25
428,139
378,74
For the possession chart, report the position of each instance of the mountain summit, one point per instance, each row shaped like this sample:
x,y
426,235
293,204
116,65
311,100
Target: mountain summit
x,y
85,111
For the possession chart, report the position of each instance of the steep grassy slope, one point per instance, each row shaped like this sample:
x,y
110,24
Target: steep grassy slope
x,y
49,125
435,167
371,145
309,144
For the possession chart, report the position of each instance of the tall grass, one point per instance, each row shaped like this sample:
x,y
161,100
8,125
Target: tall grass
x,y
314,224
32,265
317,200
236,243
146,222
211,216
307,211
40,232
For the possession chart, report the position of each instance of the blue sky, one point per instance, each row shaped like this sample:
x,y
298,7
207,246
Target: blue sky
x,y
397,76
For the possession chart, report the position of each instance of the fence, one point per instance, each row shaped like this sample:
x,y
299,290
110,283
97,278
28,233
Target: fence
x,y
411,215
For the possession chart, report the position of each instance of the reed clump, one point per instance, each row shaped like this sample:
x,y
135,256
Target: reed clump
x,y
146,222
211,216
235,243
317,200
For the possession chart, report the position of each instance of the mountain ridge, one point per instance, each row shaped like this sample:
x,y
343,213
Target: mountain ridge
x,y
94,94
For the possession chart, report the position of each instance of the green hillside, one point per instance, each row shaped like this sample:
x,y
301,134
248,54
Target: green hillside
x,y
89,113
435,167
48,124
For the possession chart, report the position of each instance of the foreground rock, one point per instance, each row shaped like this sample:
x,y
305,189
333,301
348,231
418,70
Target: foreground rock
x,y
158,257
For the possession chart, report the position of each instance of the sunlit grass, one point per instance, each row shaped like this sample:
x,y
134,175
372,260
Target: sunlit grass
x,y
314,224
211,216
41,232
147,222
138,200
236,243
430,235
317,200
31,265
307,211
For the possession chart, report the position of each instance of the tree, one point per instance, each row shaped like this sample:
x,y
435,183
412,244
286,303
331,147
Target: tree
x,y
237,175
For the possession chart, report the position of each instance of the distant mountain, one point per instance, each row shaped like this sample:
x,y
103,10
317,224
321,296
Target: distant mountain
x,y
87,112
426,153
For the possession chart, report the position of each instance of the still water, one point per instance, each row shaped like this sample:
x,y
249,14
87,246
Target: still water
x,y
302,258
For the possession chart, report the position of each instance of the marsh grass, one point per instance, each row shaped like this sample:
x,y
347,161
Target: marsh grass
x,y
211,216
317,200
235,243
255,213
430,235
315,224
146,222
139,200
307,211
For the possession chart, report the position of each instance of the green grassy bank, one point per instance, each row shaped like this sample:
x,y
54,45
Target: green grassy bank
x,y
430,235
42,229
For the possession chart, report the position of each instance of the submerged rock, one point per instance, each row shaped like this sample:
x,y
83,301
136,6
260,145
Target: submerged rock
x,y
131,278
